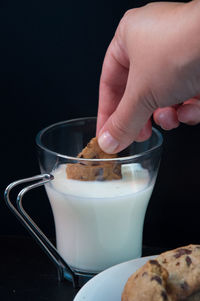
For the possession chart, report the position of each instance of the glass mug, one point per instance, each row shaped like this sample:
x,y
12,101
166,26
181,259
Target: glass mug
x,y
98,223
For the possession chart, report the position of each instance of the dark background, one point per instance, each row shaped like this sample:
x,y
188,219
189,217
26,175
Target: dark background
x,y
51,53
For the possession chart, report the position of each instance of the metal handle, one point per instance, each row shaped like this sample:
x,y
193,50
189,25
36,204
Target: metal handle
x,y
39,236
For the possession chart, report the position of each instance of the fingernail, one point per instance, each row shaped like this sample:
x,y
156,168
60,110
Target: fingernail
x,y
107,143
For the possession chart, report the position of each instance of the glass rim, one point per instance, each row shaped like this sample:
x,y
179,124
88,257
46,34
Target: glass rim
x,y
119,159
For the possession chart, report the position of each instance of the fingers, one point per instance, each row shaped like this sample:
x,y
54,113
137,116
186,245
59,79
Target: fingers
x,y
189,112
124,126
112,83
170,117
125,123
166,118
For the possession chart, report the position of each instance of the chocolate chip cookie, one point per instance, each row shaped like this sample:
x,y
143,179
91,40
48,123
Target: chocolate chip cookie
x,y
183,266
181,280
147,284
93,151
94,170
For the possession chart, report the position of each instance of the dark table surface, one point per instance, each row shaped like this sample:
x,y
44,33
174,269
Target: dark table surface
x,y
27,274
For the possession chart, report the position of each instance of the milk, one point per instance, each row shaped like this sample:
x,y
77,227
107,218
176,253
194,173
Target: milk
x,y
99,224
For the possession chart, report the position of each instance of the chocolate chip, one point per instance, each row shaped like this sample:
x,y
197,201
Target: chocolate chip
x,y
145,273
83,177
181,252
164,295
164,261
100,178
117,170
184,285
99,174
94,164
188,260
155,262
178,263
156,278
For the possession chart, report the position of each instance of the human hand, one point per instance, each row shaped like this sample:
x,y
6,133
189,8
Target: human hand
x,y
152,67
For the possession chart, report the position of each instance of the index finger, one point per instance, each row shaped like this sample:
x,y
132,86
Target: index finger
x,y
112,83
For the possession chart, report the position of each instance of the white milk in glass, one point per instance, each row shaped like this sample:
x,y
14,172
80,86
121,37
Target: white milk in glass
x,y
99,224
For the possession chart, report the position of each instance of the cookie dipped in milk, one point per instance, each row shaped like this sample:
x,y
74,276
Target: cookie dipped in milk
x,y
99,208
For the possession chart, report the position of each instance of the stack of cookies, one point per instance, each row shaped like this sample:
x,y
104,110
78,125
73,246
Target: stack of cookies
x,y
172,276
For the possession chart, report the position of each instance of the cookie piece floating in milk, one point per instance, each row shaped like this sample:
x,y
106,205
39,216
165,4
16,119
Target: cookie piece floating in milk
x,y
94,171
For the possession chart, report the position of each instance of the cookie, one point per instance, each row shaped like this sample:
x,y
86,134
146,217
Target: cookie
x,y
99,172
93,151
183,266
94,170
147,284
181,280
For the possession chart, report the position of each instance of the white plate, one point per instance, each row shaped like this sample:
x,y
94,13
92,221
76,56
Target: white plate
x,y
109,284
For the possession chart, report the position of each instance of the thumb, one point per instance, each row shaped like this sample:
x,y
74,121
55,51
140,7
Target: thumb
x,y
129,122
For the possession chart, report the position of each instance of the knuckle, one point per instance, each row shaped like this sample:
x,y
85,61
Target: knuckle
x,y
128,12
125,25
126,17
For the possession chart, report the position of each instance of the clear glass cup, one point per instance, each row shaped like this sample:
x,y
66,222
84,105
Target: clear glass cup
x,y
99,223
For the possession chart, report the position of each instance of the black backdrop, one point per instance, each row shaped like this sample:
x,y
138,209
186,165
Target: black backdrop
x,y
51,54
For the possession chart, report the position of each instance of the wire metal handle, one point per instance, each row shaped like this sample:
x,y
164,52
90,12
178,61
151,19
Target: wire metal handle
x,y
29,224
